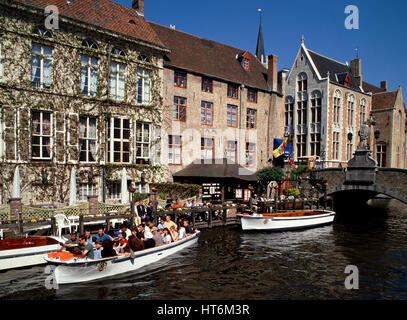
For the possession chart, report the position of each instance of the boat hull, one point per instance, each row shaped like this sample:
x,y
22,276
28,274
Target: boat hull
x,y
285,223
89,270
28,256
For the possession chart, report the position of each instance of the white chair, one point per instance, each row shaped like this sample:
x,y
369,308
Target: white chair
x,y
62,222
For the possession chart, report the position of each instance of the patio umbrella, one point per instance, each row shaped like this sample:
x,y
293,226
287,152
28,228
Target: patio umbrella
x,y
125,193
72,188
16,185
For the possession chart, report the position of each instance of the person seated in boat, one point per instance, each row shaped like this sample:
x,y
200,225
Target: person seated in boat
x,y
174,234
157,237
102,236
97,251
147,237
86,247
116,246
166,236
181,231
188,228
170,223
124,228
162,224
72,244
89,237
135,243
123,242
108,250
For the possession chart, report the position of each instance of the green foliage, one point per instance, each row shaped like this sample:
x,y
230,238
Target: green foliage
x,y
140,196
299,171
177,190
267,175
291,192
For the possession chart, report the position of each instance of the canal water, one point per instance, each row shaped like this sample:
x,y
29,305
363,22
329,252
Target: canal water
x,y
230,264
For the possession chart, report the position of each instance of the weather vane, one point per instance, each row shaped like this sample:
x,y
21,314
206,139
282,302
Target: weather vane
x,y
357,53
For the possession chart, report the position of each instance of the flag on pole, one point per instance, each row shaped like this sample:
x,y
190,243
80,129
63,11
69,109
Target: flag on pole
x,y
280,150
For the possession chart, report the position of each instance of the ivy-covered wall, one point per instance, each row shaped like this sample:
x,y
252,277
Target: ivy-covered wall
x,y
18,99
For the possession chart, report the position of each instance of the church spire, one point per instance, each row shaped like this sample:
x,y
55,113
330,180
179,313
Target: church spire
x,y
260,43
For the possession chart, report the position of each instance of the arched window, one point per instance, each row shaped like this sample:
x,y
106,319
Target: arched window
x,y
143,58
118,52
337,106
351,109
41,31
302,82
89,44
362,115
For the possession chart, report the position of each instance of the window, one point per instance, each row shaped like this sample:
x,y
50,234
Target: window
x,y
180,109
337,107
117,81
335,146
251,118
246,63
207,148
143,142
41,31
381,155
251,95
207,85
302,82
302,112
85,190
301,145
89,77
231,116
180,79
289,112
174,149
142,188
206,112
250,154
233,91
114,191
89,44
41,133
315,144
351,109
231,150
87,139
41,66
143,86
118,52
143,58
118,144
316,107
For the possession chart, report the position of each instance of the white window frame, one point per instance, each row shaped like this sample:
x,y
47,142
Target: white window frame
x,y
112,139
231,152
337,108
172,148
114,191
42,58
208,149
144,86
362,114
118,75
88,139
85,190
250,154
142,142
42,136
351,111
91,70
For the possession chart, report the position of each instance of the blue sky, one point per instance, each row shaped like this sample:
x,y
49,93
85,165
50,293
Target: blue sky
x,y
381,36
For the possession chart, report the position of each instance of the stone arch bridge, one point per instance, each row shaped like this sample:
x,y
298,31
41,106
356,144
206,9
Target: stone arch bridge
x,y
391,182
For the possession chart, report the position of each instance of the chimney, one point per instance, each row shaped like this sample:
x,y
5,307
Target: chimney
x,y
272,73
383,85
356,69
138,5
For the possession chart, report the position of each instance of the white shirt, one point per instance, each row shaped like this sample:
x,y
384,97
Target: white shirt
x,y
181,233
167,238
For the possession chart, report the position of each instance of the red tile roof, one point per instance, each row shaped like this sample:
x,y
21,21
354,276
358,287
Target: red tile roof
x,y
384,100
102,13
211,58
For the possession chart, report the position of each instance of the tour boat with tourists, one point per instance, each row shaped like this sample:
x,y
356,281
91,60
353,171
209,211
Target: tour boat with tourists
x,y
286,220
70,268
25,252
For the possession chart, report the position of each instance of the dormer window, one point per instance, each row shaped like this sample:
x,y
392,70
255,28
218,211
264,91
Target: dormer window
x,y
244,60
246,63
